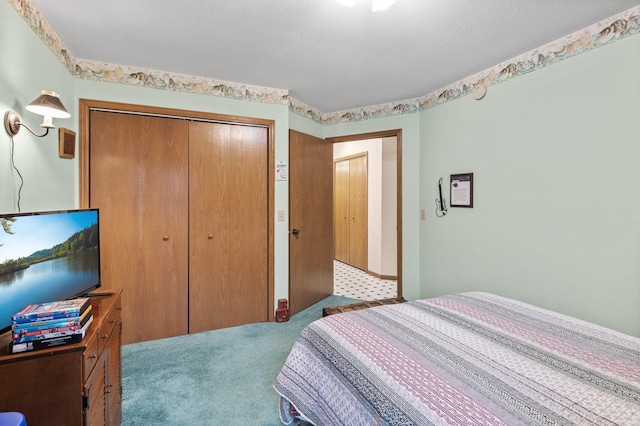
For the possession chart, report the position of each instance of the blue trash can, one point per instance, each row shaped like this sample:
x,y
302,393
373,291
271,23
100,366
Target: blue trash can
x,y
12,419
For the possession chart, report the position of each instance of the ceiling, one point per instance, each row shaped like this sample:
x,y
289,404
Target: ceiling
x,y
326,55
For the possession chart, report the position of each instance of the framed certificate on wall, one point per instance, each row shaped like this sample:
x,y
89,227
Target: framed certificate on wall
x,y
66,143
461,194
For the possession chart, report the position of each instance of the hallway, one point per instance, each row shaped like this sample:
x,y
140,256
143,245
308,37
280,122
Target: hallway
x,y
355,283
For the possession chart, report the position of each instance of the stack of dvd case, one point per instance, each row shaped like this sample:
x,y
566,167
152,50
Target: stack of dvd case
x,y
51,324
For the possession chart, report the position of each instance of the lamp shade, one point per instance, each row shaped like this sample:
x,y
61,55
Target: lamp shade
x,y
48,104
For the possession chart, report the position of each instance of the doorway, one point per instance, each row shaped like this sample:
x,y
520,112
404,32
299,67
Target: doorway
x,y
382,275
311,215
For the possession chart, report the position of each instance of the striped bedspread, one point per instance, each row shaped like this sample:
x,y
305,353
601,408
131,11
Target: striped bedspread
x,y
462,359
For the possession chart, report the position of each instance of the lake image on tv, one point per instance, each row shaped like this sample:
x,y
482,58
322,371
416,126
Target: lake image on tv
x,y
46,258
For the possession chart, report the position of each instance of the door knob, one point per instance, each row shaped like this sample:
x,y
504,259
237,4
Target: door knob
x,y
295,232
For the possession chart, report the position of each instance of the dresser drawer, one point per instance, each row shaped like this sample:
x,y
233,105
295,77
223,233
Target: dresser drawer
x,y
108,325
89,356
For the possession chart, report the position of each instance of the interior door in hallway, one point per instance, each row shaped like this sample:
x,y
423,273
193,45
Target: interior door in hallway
x,y
341,211
228,225
351,210
358,212
310,220
138,180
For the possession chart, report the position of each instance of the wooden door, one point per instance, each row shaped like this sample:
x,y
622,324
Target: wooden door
x,y
358,212
138,178
341,217
311,215
351,210
228,236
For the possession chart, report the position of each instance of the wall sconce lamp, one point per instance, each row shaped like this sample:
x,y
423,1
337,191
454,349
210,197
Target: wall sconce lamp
x,y
47,104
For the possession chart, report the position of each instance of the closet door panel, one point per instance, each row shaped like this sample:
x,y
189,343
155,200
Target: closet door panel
x,y
139,181
228,225
358,210
341,211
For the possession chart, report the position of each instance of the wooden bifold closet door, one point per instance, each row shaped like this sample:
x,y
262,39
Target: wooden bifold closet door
x,y
228,225
139,180
183,212
350,189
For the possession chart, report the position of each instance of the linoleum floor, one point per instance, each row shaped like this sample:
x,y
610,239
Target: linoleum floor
x,y
355,283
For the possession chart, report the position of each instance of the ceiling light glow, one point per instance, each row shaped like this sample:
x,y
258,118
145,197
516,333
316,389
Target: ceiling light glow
x,y
381,5
376,5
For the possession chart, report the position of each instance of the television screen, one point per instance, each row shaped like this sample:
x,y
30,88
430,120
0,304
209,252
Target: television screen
x,y
45,257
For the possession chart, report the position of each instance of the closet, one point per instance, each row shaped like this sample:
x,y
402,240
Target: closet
x,y
351,210
184,220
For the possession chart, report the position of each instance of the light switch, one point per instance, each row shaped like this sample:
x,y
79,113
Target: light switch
x,y
280,215
423,214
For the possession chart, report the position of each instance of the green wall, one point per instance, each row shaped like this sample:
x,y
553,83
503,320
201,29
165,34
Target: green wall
x,y
555,155
556,162
26,68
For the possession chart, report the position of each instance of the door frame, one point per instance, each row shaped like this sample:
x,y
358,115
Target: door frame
x,y
385,134
87,105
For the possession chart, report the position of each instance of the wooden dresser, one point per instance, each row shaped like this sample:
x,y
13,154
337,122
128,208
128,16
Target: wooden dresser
x,y
78,384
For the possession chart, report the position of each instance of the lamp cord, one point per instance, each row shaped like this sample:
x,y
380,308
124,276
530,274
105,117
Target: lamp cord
x,y
13,164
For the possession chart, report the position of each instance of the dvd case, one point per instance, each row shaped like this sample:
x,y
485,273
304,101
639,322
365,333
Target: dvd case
x,y
51,310
33,345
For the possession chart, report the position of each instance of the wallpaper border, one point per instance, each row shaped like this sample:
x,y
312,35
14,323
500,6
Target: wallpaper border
x,y
615,28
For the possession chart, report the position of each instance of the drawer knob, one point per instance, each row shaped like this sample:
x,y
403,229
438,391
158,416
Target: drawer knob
x,y
94,356
104,336
112,321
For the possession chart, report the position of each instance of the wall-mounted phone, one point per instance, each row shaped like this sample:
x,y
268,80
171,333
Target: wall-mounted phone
x,y
441,203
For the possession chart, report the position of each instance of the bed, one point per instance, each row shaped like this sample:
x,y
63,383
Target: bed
x,y
462,359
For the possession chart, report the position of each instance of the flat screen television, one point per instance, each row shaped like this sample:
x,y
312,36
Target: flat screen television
x,y
45,257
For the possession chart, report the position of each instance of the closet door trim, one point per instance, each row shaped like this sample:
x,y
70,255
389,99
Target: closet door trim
x,y
87,105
